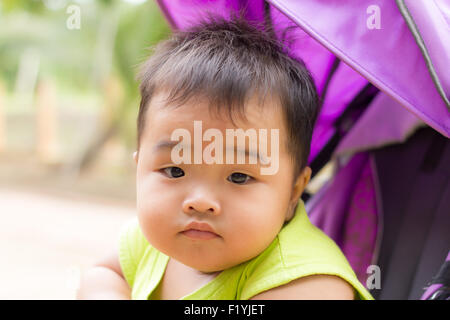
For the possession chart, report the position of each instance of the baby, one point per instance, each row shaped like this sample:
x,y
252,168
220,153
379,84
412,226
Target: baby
x,y
211,225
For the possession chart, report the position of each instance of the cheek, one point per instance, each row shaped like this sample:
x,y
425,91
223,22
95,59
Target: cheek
x,y
154,194
156,225
256,224
157,207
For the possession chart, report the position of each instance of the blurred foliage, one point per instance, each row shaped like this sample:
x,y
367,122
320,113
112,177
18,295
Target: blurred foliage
x,y
114,31
29,5
138,30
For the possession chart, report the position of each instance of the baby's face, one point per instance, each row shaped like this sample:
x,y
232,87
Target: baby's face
x,y
243,209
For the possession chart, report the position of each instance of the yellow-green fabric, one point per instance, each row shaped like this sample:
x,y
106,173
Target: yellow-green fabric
x,y
299,250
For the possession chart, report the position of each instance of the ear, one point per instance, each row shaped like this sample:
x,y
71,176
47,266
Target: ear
x,y
136,156
297,190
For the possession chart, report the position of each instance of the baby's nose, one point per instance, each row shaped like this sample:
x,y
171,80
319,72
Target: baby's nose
x,y
201,203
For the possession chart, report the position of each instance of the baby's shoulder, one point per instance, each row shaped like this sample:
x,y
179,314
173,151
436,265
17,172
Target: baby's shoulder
x,y
312,287
133,246
302,257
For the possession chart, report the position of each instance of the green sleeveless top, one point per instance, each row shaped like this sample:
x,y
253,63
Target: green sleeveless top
x,y
300,249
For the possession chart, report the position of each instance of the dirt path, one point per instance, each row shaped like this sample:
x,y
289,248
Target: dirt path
x,y
46,241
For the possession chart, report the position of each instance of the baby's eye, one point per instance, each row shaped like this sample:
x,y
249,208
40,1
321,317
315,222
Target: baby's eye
x,y
239,178
174,172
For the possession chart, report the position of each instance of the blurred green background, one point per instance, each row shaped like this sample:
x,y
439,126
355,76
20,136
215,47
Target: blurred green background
x,y
68,107
68,94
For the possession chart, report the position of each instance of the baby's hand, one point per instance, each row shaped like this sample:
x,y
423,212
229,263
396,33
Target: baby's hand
x,y
104,281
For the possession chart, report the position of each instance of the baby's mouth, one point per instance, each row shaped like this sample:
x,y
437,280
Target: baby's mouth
x,y
199,235
199,231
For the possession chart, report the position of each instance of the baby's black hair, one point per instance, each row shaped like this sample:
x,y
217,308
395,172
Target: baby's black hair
x,y
228,61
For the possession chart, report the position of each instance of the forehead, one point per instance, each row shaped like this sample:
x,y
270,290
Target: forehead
x,y
162,119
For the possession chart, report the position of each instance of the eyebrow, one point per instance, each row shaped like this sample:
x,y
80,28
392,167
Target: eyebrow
x,y
165,144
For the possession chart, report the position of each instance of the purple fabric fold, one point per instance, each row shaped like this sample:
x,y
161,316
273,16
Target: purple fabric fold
x,y
384,113
434,287
388,57
346,210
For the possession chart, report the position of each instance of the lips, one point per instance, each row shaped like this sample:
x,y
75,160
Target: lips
x,y
199,231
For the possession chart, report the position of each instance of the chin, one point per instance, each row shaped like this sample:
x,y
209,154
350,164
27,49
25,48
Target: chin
x,y
205,268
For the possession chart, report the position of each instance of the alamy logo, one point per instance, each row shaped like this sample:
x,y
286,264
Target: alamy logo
x,y
73,22
374,279
374,19
213,152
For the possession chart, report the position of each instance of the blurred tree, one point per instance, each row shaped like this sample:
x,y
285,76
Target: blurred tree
x,y
138,28
35,6
64,54
102,56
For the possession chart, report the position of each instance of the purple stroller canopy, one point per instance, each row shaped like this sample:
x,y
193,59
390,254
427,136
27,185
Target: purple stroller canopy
x,y
401,47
